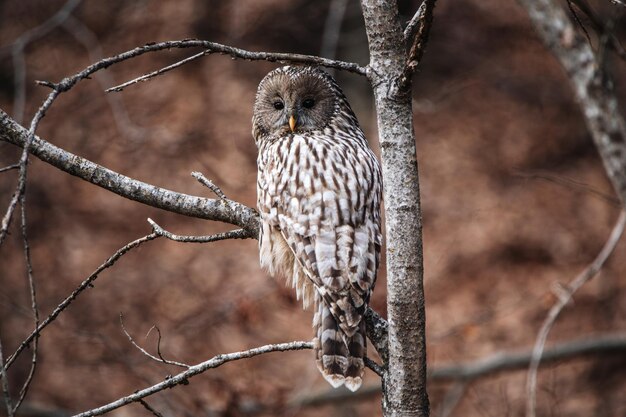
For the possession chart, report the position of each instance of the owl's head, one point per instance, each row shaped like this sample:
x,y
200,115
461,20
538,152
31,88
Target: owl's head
x,y
294,100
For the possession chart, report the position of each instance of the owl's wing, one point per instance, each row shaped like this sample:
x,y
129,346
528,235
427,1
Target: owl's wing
x,y
329,216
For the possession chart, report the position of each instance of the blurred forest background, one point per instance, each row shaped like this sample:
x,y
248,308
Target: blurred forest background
x,y
515,200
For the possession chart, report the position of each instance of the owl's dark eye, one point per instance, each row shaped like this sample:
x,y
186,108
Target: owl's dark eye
x,y
308,103
279,105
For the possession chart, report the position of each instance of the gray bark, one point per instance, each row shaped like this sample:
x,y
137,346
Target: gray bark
x,y
405,380
592,87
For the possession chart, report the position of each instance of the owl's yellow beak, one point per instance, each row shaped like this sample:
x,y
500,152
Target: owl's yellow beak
x,y
292,123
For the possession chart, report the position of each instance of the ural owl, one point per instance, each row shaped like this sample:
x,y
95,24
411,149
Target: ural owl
x,y
319,193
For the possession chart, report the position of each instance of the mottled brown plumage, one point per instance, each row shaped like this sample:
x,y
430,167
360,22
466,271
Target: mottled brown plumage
x,y
319,191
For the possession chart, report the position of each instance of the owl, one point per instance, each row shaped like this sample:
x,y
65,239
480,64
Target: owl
x,y
319,193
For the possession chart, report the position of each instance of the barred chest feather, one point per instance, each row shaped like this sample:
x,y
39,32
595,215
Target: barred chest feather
x,y
323,188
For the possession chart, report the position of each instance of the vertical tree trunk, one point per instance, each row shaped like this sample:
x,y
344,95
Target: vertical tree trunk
x,y
405,380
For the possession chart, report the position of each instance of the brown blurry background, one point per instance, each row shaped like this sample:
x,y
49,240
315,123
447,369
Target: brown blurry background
x,y
502,149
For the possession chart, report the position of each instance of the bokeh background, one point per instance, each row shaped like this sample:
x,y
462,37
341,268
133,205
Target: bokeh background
x,y
514,196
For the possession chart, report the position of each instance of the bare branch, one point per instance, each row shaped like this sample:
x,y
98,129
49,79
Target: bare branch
x,y
4,382
423,21
33,304
88,282
332,28
233,234
27,137
227,211
409,30
572,184
209,184
10,167
17,52
453,395
376,368
488,366
148,354
211,48
183,377
562,300
149,408
592,87
378,333
90,41
156,73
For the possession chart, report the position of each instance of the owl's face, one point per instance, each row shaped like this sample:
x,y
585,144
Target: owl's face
x,y
293,100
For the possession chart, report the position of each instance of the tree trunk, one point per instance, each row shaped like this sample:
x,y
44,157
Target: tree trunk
x,y
404,389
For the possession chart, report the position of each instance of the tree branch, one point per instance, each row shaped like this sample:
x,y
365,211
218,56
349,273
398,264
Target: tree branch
x,y
421,24
592,86
85,284
183,377
223,210
485,367
233,234
564,296
210,48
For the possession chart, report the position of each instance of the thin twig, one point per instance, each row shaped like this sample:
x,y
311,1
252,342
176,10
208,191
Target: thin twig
x,y
378,333
90,41
570,6
209,184
10,167
332,29
375,367
149,408
4,382
233,234
148,354
183,377
17,53
88,282
409,30
453,395
21,184
570,183
156,73
563,299
33,305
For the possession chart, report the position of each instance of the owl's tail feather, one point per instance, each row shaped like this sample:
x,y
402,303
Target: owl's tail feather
x,y
339,357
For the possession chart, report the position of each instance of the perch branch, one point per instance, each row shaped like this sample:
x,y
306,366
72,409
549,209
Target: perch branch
x,y
88,282
227,211
564,297
183,377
